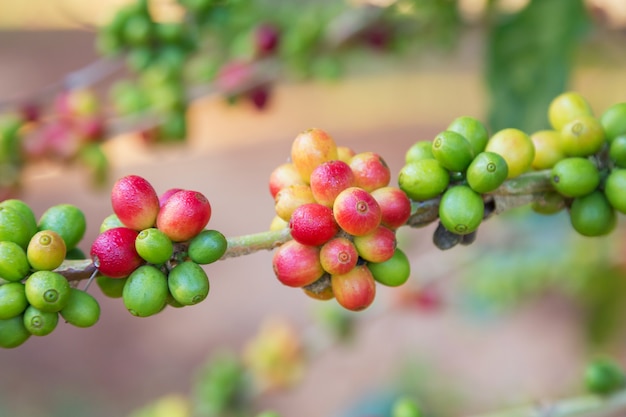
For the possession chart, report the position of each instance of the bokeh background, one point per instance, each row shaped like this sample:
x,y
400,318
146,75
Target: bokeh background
x,y
497,328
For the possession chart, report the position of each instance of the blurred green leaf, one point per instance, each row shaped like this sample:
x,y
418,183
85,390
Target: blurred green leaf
x,y
529,59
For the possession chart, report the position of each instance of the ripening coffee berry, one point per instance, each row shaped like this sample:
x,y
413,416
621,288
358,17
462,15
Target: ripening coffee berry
x,y
184,215
354,290
283,176
297,265
311,148
67,220
113,252
370,171
145,292
394,204
40,323
167,194
46,250
548,149
188,283
290,198
574,176
313,224
356,211
338,256
47,290
565,107
111,287
376,246
207,247
472,130
82,309
154,246
135,202
583,136
345,153
515,147
329,179
393,272
111,221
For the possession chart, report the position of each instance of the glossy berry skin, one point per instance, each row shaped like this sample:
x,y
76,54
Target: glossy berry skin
x,y
370,171
114,254
290,198
283,176
297,265
338,256
313,224
377,246
167,194
354,290
135,202
356,211
310,149
329,179
394,204
184,215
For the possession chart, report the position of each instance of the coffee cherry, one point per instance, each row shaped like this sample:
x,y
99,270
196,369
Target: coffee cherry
x,y
46,250
48,291
354,290
461,209
313,224
25,211
283,176
311,148
266,38
614,189
356,211
613,121
278,224
370,171
549,203
113,252
453,151
290,198
154,246
13,333
207,247
376,246
617,151
111,287
82,309
515,147
111,221
487,172
329,179
423,179
548,149
345,153
566,107
395,206
188,283
184,215
593,215
13,300
40,323
604,376
583,136
14,264
297,265
574,177
167,194
135,202
145,291
472,130
393,272
419,150
338,256
13,227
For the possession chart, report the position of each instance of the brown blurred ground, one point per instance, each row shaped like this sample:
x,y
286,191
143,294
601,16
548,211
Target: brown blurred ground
x,y
124,362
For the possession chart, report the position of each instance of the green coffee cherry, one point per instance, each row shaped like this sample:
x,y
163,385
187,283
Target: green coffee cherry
x,y
40,323
13,300
81,310
461,209
145,291
47,290
604,376
154,246
13,333
207,247
188,283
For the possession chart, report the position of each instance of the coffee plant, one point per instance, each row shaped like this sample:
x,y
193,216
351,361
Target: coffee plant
x,y
337,211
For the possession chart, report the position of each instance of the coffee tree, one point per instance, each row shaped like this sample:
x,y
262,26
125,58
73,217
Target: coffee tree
x,y
336,210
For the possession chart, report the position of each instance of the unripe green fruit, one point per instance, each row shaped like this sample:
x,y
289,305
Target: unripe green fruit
x,y
13,227
604,376
617,151
392,272
24,210
67,220
423,179
614,189
110,222
487,172
405,407
82,309
154,246
111,287
14,264
575,177
461,209
13,333
40,323
565,107
613,121
593,215
188,283
13,300
47,290
145,292
452,151
472,130
419,150
207,247
583,136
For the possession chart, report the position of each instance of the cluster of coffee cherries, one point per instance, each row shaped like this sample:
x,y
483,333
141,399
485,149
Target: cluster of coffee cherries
x,y
150,250
342,215
33,295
